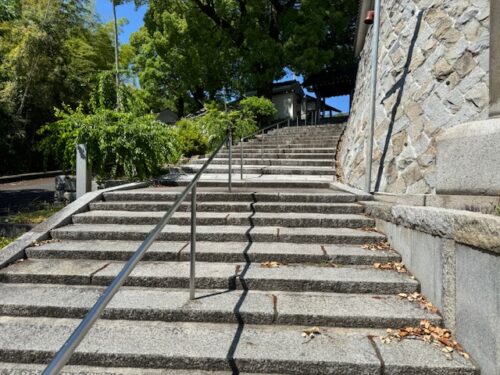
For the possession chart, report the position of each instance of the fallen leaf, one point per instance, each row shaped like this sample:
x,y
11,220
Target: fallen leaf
x,y
270,264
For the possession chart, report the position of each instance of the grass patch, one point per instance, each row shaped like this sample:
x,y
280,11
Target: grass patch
x,y
4,241
36,216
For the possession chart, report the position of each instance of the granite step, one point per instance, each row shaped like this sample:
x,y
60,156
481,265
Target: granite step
x,y
224,347
216,306
214,252
162,194
229,206
283,145
210,275
286,150
277,155
218,233
269,162
259,169
250,182
227,218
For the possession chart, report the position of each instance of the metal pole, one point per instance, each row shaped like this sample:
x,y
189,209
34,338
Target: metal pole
x,y
262,146
192,258
230,175
373,89
241,159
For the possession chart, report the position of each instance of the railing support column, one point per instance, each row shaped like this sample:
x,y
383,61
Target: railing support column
x,y
192,254
230,169
83,173
241,159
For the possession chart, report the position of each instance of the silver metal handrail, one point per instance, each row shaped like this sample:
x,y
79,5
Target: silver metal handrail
x,y
64,354
260,131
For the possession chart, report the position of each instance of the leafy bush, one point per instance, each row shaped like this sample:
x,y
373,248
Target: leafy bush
x,y
191,138
260,109
118,144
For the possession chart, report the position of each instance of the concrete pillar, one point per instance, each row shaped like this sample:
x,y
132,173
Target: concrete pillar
x,y
494,58
83,173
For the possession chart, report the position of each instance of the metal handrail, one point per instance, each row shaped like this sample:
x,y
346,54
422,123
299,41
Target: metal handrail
x,y
65,352
260,131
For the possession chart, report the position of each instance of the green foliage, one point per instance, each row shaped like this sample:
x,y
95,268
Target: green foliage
x,y
4,241
119,144
260,109
192,140
34,216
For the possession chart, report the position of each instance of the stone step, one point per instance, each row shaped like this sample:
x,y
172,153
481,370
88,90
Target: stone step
x,y
283,145
269,162
225,347
285,150
276,155
229,206
210,275
251,182
291,142
161,194
35,369
214,252
216,306
259,169
227,218
219,233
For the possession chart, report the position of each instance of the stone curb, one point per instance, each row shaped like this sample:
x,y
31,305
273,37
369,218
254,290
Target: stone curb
x,y
470,228
16,249
360,194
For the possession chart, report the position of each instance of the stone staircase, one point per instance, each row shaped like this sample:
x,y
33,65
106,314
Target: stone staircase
x,y
281,253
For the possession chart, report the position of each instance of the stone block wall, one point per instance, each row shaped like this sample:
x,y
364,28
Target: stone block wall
x,y
432,75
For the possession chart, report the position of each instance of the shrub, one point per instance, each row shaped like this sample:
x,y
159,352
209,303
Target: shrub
x,y
191,138
118,144
260,109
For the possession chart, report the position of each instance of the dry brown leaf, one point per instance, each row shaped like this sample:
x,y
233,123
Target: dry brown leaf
x,y
398,267
310,333
272,264
384,245
417,297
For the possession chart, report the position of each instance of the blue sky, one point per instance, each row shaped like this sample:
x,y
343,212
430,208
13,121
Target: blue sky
x,y
135,21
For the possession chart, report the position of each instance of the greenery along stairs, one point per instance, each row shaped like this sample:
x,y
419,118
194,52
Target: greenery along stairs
x,y
275,257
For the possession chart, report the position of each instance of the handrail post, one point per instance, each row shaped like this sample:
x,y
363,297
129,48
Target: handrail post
x,y
230,169
262,146
192,256
241,159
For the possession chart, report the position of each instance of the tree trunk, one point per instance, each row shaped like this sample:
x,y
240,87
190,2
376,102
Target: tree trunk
x,y
117,62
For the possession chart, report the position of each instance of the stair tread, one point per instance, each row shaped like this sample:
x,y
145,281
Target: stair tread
x,y
249,347
212,251
209,275
256,307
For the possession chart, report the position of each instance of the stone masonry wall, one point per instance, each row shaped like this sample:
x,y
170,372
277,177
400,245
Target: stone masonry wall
x,y
433,74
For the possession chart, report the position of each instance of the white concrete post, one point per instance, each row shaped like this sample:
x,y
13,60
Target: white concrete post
x,y
83,173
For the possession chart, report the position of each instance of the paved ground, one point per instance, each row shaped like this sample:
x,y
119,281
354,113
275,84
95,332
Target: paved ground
x,y
15,196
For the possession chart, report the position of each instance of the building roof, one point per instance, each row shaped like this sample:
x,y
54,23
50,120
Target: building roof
x,y
324,106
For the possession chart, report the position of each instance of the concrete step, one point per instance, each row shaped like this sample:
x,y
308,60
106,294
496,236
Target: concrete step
x,y
162,194
216,306
214,252
298,142
283,145
276,155
218,233
225,347
210,275
269,162
227,218
259,169
229,206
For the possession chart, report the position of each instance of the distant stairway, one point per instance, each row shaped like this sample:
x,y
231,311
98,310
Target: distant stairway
x,y
283,252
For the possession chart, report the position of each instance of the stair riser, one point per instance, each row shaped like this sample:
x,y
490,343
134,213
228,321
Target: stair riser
x,y
264,170
221,256
284,150
187,315
233,197
251,184
283,145
218,237
311,223
267,162
231,283
252,365
222,207
265,156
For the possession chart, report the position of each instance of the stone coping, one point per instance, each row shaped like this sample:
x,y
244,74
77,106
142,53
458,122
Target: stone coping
x,y
16,250
470,228
360,194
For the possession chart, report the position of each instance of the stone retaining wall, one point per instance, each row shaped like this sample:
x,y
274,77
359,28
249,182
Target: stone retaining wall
x,y
433,74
